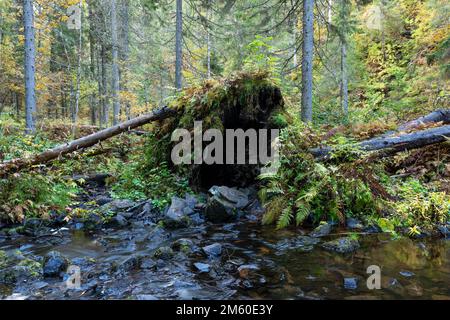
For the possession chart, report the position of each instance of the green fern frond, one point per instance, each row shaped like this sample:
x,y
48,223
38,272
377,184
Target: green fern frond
x,y
285,218
301,214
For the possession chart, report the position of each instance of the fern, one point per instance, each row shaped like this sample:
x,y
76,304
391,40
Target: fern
x,y
301,214
285,218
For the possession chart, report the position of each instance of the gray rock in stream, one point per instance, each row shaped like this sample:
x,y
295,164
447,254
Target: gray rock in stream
x,y
342,245
202,267
224,204
177,214
354,224
321,231
350,283
54,264
213,250
117,206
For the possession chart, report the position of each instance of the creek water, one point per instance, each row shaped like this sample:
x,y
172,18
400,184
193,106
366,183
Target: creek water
x,y
256,263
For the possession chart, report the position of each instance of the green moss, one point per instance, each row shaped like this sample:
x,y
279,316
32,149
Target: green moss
x,y
34,267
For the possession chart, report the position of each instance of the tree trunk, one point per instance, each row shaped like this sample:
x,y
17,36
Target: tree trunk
x,y
395,144
115,64
208,40
29,66
330,11
124,52
307,62
105,98
84,142
344,79
93,98
179,46
77,90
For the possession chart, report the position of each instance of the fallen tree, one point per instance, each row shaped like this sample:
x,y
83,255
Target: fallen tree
x,y
394,144
15,165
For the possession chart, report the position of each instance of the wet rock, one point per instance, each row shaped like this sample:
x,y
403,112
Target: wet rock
x,y
120,221
32,227
224,204
321,231
102,200
54,264
177,214
196,219
300,243
342,245
93,221
213,250
16,297
217,212
117,206
156,236
129,264
148,264
255,209
230,196
146,297
202,267
444,230
247,271
191,201
407,274
164,253
354,224
350,283
24,270
183,245
372,228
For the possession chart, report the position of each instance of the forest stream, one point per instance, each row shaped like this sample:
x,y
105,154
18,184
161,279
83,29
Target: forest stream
x,y
238,260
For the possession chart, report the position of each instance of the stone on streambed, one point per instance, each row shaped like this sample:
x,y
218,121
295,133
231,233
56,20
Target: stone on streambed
x,y
17,268
350,283
117,206
213,250
342,245
321,231
54,264
177,215
202,267
354,224
224,204
129,264
183,245
164,253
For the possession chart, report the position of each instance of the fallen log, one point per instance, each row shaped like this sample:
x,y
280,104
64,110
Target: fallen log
x,y
394,144
440,115
84,142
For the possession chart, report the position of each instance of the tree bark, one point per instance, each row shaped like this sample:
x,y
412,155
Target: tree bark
x,y
115,64
29,66
92,66
77,92
307,61
395,144
179,46
344,78
84,142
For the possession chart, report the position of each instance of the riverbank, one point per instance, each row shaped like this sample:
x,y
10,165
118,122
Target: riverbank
x,y
138,254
